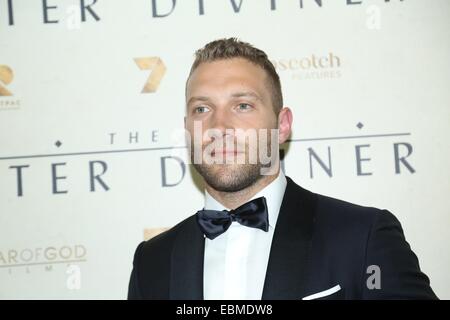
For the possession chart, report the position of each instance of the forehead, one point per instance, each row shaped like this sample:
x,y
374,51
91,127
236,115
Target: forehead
x,y
226,76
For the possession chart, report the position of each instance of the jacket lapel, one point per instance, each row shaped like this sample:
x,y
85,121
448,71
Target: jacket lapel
x,y
286,275
186,279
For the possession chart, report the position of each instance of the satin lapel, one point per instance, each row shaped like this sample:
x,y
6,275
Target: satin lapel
x,y
186,281
287,268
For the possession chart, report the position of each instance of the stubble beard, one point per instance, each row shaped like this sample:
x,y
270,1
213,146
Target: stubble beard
x,y
231,177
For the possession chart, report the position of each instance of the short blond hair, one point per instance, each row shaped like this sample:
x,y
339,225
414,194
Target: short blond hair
x,y
233,48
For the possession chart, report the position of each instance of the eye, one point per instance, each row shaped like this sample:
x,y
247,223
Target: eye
x,y
244,107
201,109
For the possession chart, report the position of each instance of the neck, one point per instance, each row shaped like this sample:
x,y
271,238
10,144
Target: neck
x,y
232,200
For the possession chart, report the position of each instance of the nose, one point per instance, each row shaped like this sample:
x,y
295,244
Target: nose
x,y
220,121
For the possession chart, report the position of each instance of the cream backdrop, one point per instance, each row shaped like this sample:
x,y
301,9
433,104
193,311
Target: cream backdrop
x,y
86,157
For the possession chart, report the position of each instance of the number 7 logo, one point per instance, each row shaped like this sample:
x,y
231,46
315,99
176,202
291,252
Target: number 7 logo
x,y
6,76
158,69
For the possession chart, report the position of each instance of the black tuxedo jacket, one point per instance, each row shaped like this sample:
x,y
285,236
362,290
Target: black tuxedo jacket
x,y
319,243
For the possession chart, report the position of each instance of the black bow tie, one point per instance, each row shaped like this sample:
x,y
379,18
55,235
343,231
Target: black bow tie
x,y
251,214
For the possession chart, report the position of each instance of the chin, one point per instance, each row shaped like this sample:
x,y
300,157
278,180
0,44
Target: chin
x,y
229,177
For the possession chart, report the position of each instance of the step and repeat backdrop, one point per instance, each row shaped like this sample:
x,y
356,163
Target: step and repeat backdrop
x,y
92,104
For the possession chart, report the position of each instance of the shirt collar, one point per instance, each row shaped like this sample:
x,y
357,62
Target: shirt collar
x,y
273,193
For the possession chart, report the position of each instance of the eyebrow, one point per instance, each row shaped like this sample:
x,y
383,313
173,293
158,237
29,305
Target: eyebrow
x,y
198,98
246,94
234,95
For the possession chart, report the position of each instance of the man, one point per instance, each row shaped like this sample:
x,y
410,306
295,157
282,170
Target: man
x,y
260,235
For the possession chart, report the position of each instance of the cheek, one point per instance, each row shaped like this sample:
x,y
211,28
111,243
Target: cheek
x,y
259,120
194,125
267,121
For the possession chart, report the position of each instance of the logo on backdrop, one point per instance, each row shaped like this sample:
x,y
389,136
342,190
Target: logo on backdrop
x,y
157,70
24,260
6,100
6,76
310,67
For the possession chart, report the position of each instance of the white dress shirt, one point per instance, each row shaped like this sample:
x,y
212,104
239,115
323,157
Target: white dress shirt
x,y
236,261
